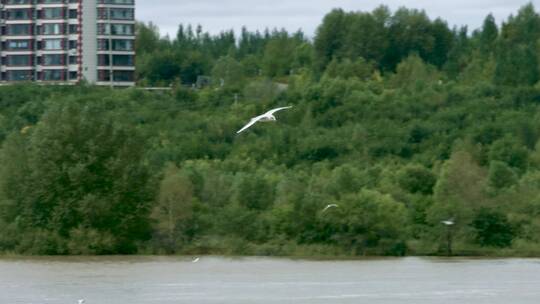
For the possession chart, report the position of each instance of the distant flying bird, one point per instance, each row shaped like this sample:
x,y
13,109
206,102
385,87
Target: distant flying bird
x,y
195,260
81,301
448,222
268,116
329,206
25,129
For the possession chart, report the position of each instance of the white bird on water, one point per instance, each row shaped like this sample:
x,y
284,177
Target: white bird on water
x,y
268,116
330,206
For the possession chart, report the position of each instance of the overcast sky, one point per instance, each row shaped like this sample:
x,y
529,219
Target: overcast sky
x,y
218,15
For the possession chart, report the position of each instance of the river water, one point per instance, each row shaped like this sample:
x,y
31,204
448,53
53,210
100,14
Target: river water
x,y
213,280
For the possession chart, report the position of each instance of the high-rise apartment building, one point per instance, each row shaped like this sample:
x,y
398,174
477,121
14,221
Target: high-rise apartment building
x,y
66,41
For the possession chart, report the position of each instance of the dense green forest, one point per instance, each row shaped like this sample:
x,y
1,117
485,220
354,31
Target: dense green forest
x,y
400,120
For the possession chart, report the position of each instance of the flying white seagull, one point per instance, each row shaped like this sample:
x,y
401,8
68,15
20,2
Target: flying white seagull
x,y
329,206
81,301
268,116
448,222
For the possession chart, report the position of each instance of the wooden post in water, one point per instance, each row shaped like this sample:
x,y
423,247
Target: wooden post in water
x,y
448,240
448,223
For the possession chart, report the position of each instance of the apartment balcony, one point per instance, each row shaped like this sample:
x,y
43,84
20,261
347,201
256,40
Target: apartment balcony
x,y
51,5
18,21
18,37
18,75
118,21
6,68
116,3
116,83
105,52
125,67
17,52
18,6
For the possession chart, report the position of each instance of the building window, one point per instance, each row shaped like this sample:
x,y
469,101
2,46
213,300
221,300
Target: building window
x,y
73,14
52,29
103,44
53,59
53,75
20,75
73,28
127,2
118,60
118,76
51,44
121,76
18,44
19,1
122,60
52,13
19,60
118,44
104,75
122,13
123,45
115,29
19,14
116,13
19,29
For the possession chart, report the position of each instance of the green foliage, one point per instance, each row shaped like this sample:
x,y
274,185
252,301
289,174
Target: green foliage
x,y
173,211
347,69
458,193
330,37
492,229
417,179
279,54
382,37
510,151
501,175
368,220
77,169
227,71
516,65
413,73
84,241
489,34
253,192
397,119
517,62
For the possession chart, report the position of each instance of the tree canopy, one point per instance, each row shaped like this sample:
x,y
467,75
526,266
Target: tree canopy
x,y
399,120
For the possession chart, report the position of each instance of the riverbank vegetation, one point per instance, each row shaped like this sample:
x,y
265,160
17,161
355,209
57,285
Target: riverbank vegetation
x,y
400,120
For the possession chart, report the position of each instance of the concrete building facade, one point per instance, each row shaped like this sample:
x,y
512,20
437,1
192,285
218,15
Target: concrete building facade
x,y
67,41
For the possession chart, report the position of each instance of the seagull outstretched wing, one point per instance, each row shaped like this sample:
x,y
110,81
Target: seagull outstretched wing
x,y
329,206
275,110
250,123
